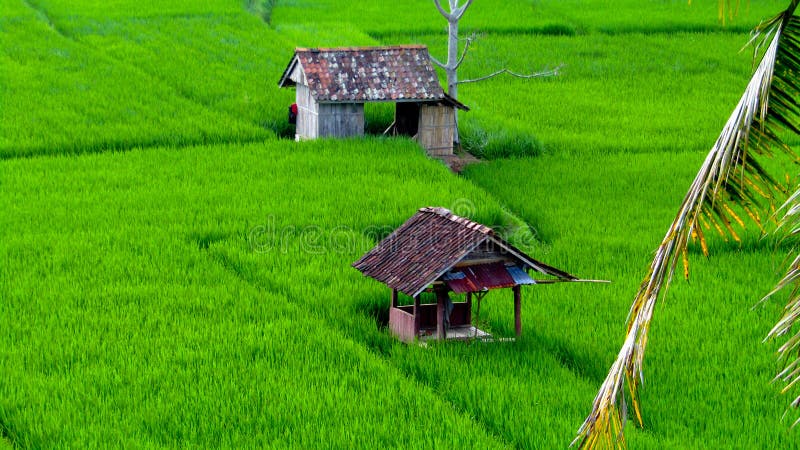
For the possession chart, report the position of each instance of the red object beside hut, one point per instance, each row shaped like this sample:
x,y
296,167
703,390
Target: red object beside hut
x,y
333,84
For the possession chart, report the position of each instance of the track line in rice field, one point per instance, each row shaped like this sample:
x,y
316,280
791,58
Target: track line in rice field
x,y
583,365
379,343
103,55
155,144
45,17
205,104
240,271
571,31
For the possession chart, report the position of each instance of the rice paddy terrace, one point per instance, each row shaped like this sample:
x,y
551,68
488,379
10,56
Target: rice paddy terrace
x,y
175,272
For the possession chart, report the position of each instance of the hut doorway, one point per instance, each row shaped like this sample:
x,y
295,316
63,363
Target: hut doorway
x,y
333,85
406,119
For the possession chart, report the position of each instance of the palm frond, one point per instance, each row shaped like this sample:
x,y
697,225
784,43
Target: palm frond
x,y
726,10
789,351
729,176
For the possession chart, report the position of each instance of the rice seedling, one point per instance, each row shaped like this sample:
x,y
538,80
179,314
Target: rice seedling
x,y
615,93
59,96
519,17
131,290
136,289
218,61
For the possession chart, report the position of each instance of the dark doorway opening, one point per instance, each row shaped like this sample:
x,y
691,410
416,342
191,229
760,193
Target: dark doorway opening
x,y
406,119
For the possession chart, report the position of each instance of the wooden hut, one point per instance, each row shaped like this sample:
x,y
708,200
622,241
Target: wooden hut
x,y
438,251
333,84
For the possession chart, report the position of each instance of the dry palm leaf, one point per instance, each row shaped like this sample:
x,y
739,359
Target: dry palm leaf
x,y
730,175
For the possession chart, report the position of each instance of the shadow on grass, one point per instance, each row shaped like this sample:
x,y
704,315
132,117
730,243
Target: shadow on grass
x,y
581,363
9,438
204,239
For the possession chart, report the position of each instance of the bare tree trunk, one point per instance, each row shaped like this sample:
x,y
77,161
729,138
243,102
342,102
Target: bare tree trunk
x,y
454,60
452,68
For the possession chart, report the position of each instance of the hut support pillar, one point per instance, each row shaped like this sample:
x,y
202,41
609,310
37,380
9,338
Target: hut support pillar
x,y
394,298
441,333
416,316
469,307
517,310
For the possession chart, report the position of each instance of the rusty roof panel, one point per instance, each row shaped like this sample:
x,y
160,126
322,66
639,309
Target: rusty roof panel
x,y
361,74
478,278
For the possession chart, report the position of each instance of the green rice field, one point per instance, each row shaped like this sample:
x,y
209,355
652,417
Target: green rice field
x,y
175,272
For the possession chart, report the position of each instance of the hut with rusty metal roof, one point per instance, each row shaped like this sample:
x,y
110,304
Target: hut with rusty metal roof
x,y
333,84
436,250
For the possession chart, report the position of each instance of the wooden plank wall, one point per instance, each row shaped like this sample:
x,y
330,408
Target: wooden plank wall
x,y
461,315
341,119
436,129
307,114
402,324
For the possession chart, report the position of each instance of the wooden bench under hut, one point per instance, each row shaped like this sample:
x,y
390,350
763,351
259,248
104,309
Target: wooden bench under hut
x,y
333,84
440,252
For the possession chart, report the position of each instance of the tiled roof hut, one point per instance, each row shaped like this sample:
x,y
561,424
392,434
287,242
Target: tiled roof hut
x,y
333,84
439,251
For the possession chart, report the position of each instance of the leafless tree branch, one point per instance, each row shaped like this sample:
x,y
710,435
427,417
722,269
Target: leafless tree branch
x,y
473,36
469,40
437,62
446,14
542,74
461,10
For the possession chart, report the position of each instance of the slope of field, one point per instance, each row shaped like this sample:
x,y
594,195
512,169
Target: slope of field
x,y
229,62
157,286
123,296
59,96
541,16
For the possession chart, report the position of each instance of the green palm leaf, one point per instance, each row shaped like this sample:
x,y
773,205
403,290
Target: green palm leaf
x,y
729,176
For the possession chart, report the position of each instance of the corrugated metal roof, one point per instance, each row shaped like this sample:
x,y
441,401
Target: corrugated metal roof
x,y
519,275
362,74
428,245
481,277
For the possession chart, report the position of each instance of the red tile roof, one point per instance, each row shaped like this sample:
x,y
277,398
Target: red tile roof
x,y
362,74
428,245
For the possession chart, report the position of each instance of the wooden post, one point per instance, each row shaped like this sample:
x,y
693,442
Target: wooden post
x,y
416,316
394,298
441,333
517,310
469,308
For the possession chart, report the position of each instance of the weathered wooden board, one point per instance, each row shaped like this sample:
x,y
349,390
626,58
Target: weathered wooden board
x,y
307,114
341,119
436,129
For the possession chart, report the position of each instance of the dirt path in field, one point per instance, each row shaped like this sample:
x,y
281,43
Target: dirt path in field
x,y
457,163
